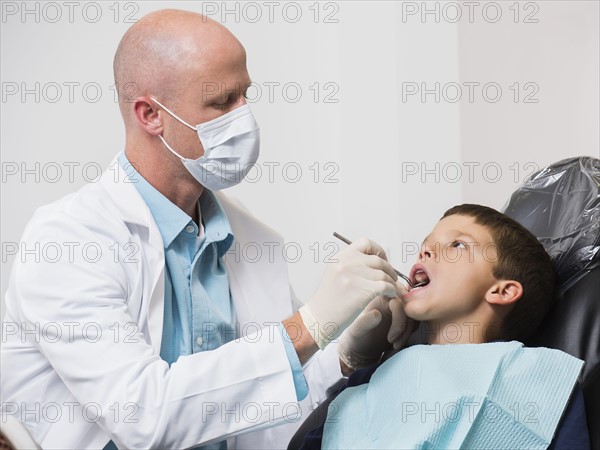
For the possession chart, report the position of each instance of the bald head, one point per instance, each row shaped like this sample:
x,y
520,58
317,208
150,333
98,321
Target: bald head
x,y
167,51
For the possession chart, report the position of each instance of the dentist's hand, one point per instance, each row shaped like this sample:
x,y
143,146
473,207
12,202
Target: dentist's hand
x,y
382,326
402,325
361,274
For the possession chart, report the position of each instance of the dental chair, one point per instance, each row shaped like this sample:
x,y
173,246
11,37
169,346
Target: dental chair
x,y
560,205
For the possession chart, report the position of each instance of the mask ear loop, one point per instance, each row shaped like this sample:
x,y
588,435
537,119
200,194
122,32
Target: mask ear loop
x,y
173,114
170,149
177,118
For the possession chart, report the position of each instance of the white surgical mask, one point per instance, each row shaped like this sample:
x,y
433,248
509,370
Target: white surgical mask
x,y
231,146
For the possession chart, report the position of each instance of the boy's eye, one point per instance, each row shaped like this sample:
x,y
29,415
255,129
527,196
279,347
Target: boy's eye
x,y
458,244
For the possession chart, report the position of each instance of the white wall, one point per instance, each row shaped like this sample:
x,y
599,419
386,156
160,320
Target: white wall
x,y
559,56
365,139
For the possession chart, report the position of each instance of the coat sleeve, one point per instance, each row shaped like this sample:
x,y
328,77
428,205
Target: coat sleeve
x,y
81,304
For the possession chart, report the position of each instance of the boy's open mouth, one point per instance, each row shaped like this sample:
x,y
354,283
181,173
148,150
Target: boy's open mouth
x,y
418,275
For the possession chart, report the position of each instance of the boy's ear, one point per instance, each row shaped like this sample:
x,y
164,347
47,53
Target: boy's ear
x,y
504,292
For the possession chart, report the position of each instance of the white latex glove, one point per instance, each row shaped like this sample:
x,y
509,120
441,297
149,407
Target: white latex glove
x,y
381,327
360,275
402,325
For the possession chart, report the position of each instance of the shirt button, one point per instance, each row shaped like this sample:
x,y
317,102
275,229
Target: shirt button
x,y
199,341
189,228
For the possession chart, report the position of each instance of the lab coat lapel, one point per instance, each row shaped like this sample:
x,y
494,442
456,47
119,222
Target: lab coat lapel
x,y
259,288
243,308
134,211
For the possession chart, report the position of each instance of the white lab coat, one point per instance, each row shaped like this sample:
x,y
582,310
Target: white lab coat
x,y
82,334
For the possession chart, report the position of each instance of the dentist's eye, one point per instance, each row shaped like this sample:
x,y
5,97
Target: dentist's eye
x,y
222,105
225,102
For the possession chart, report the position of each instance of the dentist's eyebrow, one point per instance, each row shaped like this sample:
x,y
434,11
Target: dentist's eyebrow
x,y
239,88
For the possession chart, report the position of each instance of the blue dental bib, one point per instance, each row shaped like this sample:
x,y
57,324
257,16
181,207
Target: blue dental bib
x,y
495,395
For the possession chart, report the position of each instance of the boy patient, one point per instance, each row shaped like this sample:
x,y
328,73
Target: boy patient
x,y
489,283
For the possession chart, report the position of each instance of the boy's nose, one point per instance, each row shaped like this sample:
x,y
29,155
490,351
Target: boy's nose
x,y
425,252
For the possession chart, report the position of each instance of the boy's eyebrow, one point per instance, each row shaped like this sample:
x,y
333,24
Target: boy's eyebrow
x,y
467,235
458,233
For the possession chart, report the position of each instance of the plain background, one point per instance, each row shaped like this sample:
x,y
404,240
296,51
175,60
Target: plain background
x,y
362,128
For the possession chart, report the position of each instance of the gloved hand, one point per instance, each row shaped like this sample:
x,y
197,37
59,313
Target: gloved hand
x,y
361,274
381,325
402,325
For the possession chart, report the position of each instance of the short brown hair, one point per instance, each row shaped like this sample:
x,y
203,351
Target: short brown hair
x,y
521,257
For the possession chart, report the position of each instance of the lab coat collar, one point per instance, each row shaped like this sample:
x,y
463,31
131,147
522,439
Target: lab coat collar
x,y
169,218
128,200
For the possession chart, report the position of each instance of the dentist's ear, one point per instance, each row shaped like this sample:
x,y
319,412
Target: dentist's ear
x,y
504,292
146,113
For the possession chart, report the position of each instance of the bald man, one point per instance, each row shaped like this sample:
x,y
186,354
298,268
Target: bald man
x,y
165,337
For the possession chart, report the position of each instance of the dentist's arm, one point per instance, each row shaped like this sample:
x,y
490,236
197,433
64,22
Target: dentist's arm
x,y
303,341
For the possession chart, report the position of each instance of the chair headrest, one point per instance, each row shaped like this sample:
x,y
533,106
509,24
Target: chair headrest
x,y
560,204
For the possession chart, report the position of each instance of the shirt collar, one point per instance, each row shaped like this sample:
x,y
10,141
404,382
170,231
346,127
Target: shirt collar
x,y
171,220
216,225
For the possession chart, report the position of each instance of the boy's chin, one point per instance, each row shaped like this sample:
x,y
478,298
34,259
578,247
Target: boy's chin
x,y
414,311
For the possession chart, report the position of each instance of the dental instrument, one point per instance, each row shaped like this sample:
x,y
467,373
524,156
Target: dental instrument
x,y
400,274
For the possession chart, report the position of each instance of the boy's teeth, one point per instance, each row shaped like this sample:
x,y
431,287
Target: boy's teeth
x,y
421,277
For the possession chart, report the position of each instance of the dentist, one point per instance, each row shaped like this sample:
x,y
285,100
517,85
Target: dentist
x,y
152,331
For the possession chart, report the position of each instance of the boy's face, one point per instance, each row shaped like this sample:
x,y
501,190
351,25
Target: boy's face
x,y
457,258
